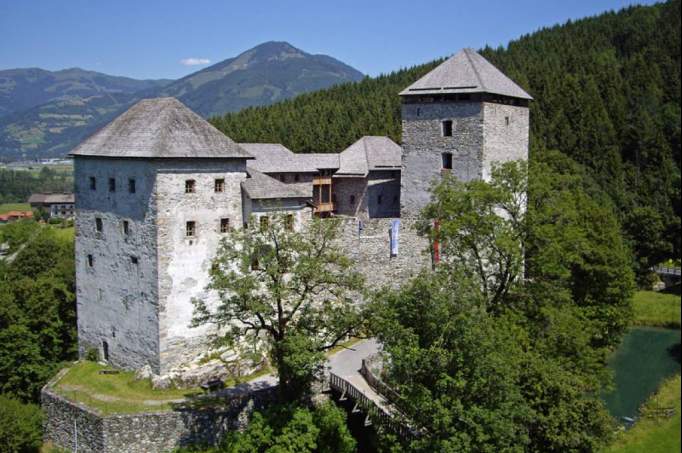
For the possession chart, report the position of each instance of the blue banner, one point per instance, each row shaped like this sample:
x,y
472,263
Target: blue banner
x,y
395,233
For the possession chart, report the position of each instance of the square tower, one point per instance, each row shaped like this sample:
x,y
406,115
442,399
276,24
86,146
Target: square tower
x,y
153,190
459,119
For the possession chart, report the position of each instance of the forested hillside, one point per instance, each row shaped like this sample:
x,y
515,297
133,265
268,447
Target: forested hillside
x,y
607,93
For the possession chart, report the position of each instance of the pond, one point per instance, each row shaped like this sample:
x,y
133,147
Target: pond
x,y
644,359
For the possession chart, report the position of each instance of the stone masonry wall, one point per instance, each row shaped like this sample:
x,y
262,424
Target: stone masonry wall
x,y
506,134
423,145
371,255
74,427
117,299
184,262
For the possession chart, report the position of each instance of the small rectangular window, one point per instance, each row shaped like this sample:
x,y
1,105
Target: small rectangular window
x,y
380,199
289,222
133,260
112,184
93,183
126,227
447,161
91,260
447,128
190,186
98,224
264,223
220,185
131,185
352,200
506,120
224,225
191,229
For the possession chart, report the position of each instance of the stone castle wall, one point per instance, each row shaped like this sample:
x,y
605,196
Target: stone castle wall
x,y
117,298
369,249
505,139
184,262
423,145
74,427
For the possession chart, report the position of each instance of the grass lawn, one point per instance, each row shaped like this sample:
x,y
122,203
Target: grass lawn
x,y
657,309
654,435
65,234
7,207
115,393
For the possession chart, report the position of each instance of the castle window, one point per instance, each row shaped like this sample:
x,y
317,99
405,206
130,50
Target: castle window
x,y
98,224
264,223
219,185
379,199
190,186
419,111
190,229
126,227
506,121
131,185
224,225
352,200
112,184
289,222
93,183
133,259
447,128
447,161
91,261
105,351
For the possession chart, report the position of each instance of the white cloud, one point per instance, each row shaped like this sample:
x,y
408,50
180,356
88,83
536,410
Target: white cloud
x,y
194,61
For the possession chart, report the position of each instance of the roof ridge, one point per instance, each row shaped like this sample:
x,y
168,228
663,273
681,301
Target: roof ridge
x,y
473,67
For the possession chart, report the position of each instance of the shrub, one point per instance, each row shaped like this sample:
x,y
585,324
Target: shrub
x,y
20,426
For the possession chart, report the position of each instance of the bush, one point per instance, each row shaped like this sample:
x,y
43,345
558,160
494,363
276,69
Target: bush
x,y
20,426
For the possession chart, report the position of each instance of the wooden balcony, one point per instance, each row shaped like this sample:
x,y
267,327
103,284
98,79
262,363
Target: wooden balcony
x,y
321,208
322,180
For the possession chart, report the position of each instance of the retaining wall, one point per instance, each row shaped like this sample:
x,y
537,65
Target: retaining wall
x,y
75,427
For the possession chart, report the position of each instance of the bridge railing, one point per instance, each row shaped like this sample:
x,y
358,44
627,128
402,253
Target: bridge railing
x,y
664,270
371,408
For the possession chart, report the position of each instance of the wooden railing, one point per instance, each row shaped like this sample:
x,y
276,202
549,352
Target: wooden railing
x,y
369,407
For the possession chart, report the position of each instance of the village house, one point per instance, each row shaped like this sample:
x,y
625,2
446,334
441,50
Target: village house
x,y
57,205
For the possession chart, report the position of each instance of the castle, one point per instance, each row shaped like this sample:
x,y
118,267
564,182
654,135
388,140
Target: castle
x,y
158,187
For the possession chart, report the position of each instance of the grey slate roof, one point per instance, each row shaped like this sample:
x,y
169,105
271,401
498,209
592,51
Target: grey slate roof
x,y
259,186
160,128
51,198
368,154
276,158
466,72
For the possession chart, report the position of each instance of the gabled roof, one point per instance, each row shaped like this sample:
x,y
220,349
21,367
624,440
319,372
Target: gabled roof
x,y
160,128
368,154
259,186
276,158
466,72
51,198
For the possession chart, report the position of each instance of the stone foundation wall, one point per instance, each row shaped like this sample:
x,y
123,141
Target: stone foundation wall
x,y
74,427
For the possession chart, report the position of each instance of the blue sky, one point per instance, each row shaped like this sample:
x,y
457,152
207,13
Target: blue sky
x,y
149,38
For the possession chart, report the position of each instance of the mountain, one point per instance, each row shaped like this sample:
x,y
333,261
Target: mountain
x,y
270,72
22,89
45,114
607,94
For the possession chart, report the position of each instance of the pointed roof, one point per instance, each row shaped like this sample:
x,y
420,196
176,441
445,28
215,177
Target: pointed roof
x,y
368,154
466,72
259,186
160,128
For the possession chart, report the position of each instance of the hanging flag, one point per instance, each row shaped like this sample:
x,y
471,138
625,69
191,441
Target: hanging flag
x,y
395,233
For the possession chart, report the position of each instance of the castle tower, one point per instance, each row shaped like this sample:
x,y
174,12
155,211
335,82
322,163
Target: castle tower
x,y
155,190
459,118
